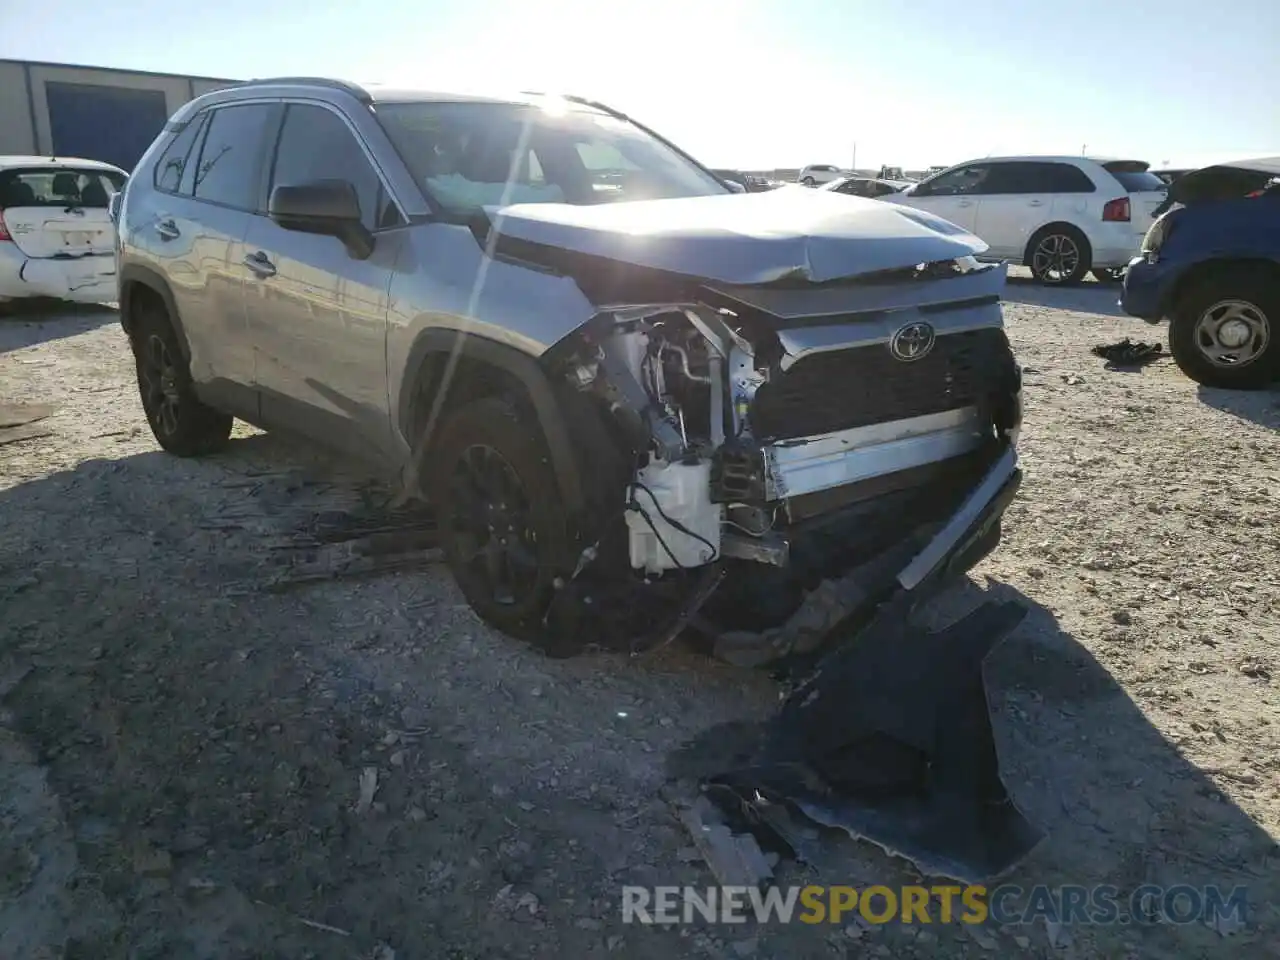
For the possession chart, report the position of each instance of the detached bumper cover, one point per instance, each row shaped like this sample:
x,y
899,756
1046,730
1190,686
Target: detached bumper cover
x,y
889,738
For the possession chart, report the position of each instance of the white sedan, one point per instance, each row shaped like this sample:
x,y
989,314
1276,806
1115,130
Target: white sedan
x,y
56,235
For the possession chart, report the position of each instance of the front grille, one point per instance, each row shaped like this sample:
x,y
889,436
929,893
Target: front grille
x,y
843,389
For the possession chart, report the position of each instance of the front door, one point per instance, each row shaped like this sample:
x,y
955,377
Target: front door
x,y
317,314
952,195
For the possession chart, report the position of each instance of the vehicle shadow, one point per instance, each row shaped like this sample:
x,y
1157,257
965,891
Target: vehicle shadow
x,y
1120,803
1089,297
1258,406
26,323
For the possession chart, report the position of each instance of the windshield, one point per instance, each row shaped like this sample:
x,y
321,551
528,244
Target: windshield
x,y
58,187
469,155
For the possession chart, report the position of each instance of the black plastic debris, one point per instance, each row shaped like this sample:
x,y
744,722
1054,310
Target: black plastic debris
x,y
890,740
1127,353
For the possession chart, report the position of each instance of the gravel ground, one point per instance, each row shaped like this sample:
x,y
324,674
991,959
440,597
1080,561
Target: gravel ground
x,y
182,750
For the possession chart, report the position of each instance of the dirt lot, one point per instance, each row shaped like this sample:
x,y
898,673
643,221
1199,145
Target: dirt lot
x,y
181,748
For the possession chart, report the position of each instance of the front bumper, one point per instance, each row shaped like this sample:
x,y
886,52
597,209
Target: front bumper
x,y
911,570
1143,292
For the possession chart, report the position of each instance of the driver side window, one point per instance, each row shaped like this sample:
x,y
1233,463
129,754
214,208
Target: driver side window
x,y
316,144
959,182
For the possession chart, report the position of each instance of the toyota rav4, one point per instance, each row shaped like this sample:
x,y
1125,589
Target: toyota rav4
x,y
638,402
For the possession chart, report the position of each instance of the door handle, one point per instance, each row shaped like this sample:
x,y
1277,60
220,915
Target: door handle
x,y
260,264
965,203
1035,203
168,230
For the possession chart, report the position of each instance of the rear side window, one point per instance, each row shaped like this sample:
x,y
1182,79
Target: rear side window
x,y
1036,177
173,162
316,144
1137,181
230,158
58,187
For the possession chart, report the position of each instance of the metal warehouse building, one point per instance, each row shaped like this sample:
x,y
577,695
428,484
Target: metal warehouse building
x,y
54,109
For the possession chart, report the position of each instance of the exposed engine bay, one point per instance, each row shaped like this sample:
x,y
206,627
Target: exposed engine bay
x,y
780,471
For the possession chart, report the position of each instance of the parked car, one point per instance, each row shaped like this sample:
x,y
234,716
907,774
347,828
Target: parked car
x,y
1211,267
865,186
56,238
1060,216
749,183
1170,174
817,173
602,393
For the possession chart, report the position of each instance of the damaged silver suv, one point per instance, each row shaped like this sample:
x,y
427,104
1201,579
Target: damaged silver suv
x,y
638,401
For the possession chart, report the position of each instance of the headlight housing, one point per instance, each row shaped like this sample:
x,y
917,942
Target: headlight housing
x,y
1156,235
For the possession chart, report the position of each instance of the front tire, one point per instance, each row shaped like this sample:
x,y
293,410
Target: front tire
x,y
1224,329
180,422
1059,255
501,518
809,182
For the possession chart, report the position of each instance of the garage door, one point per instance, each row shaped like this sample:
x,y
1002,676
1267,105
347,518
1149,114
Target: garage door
x,y
112,124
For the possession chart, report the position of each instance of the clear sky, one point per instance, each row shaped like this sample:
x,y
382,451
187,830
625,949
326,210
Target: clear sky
x,y
756,83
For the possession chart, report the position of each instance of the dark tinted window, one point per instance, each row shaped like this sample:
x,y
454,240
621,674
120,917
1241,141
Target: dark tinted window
x,y
173,163
317,144
1036,177
230,157
1138,181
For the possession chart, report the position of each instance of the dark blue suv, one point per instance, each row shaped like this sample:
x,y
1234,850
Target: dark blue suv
x,y
1211,266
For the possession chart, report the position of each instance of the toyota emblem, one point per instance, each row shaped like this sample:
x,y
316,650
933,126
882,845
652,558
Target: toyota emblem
x,y
912,341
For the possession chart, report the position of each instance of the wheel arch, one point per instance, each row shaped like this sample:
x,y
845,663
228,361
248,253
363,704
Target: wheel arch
x,y
1200,271
480,368
138,282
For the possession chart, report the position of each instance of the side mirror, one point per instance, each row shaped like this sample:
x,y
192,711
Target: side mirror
x,y
328,207
113,206
735,186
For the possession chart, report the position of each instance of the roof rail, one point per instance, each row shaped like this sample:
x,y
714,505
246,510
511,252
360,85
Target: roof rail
x,y
355,90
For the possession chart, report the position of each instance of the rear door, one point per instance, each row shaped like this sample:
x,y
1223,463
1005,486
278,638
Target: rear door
x,y
207,183
1146,191
951,195
1020,197
59,211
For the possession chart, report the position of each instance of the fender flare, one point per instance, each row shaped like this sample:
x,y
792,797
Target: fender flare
x,y
526,370
134,273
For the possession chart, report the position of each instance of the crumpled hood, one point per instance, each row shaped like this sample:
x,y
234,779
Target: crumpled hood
x,y
749,238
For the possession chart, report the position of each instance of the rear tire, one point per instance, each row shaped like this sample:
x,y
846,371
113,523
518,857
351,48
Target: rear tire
x,y
181,423
1223,331
1059,255
809,182
502,521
